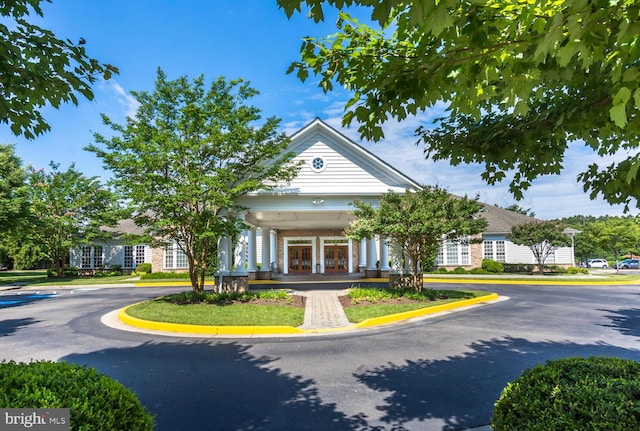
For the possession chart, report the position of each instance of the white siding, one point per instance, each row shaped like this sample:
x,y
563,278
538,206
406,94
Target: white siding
x,y
518,253
339,174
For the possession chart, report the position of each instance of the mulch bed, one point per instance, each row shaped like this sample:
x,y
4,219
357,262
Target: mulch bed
x,y
348,302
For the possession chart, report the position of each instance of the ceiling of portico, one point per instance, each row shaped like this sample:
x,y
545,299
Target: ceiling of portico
x,y
299,219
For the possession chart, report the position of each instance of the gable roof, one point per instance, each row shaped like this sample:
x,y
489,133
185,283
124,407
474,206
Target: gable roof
x,y
501,220
348,168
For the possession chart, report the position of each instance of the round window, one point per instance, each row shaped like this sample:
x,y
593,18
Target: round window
x,y
317,164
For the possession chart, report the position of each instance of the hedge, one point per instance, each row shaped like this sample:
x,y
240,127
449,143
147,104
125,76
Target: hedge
x,y
586,394
96,402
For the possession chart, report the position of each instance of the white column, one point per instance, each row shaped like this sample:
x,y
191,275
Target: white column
x,y
252,251
363,254
240,251
274,246
266,249
371,254
224,255
384,254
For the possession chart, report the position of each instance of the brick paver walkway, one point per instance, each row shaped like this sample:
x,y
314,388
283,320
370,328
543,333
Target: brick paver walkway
x,y
323,310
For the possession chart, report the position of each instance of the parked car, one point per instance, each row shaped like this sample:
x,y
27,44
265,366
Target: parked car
x,y
597,263
627,264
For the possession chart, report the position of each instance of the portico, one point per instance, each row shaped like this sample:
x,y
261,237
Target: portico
x,y
298,228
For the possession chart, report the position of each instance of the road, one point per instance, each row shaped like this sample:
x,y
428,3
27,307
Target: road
x,y
442,373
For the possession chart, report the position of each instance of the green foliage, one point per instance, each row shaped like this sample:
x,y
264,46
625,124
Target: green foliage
x,y
542,238
71,271
38,69
188,155
442,270
479,271
518,268
225,297
519,81
144,267
13,190
96,402
370,294
418,222
586,394
576,270
492,266
67,209
459,270
617,235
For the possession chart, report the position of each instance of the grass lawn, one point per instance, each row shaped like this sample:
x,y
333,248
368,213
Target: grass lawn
x,y
219,315
369,303
368,307
254,308
39,278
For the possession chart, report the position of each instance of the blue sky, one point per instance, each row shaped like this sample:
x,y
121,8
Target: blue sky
x,y
252,39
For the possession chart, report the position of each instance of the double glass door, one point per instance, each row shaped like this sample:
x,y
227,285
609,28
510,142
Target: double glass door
x,y
336,258
299,259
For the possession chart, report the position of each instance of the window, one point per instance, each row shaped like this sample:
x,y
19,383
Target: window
x,y
174,258
318,164
495,250
98,259
91,256
133,255
456,252
86,256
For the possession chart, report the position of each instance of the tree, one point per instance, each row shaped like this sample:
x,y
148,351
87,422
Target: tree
x,y
66,209
519,80
518,209
38,69
418,222
13,190
542,237
186,158
617,235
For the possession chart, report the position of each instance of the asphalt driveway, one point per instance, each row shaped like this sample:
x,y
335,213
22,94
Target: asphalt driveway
x,y
442,373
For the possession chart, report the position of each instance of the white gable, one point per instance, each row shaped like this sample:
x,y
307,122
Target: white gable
x,y
341,166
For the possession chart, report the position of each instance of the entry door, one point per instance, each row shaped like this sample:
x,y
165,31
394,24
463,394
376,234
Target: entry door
x,y
299,260
336,258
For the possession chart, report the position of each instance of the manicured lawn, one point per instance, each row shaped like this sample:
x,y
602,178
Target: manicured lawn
x,y
371,303
254,308
202,309
219,315
39,278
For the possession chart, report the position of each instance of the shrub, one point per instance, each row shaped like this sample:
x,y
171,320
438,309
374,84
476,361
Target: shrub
x,y
518,267
96,402
555,269
442,270
586,394
459,270
143,267
478,271
576,270
66,272
492,266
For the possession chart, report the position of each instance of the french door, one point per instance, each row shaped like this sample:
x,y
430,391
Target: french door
x,y
336,258
299,259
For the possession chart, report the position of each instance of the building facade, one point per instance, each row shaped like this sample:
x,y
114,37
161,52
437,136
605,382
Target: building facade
x,y
298,228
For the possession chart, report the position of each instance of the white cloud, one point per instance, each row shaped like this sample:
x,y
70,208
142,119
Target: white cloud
x,y
125,99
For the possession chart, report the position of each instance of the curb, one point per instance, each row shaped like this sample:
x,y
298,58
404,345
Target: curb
x,y
249,331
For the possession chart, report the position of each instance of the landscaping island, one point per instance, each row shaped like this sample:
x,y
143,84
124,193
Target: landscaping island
x,y
282,308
